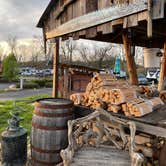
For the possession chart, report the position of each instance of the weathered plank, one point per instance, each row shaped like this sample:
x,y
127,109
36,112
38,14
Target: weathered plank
x,y
105,28
133,20
70,12
158,9
150,129
104,156
97,18
91,5
91,32
82,33
103,3
142,16
117,22
81,7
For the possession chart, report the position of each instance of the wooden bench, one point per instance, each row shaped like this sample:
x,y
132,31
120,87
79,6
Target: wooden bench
x,y
101,139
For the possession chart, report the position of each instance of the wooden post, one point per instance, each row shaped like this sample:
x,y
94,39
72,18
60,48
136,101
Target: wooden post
x,y
162,70
149,20
55,68
131,66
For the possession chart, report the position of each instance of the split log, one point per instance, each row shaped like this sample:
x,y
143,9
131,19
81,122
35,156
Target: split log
x,y
79,98
120,96
114,108
142,139
141,107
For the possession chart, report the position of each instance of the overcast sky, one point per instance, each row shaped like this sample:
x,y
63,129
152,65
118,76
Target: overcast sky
x,y
19,17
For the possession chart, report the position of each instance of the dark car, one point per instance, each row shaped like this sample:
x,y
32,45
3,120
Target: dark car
x,y
142,80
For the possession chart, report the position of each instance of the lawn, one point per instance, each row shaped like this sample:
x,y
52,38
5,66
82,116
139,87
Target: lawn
x,y
7,106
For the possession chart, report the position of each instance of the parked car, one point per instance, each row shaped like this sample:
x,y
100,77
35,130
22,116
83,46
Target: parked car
x,y
153,74
142,80
47,72
33,72
26,73
39,72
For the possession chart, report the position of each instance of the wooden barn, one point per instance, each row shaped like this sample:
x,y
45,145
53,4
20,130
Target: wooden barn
x,y
131,22
128,22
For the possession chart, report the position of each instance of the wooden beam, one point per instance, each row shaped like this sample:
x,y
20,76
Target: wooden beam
x,y
163,70
55,68
149,19
91,32
105,28
131,66
97,18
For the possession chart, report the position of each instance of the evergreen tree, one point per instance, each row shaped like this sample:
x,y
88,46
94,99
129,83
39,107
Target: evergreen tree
x,y
10,67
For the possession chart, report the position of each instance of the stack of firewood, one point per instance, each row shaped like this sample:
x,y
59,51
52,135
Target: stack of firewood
x,y
147,91
79,98
140,107
163,96
105,89
107,92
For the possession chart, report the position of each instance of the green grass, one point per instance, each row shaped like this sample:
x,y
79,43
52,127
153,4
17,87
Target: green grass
x,y
7,106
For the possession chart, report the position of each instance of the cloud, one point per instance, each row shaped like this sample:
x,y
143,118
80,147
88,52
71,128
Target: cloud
x,y
19,17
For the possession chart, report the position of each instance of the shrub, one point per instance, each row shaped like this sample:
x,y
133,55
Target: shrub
x,y
28,85
41,83
10,67
49,85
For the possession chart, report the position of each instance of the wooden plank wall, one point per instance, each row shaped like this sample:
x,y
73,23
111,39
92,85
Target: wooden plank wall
x,y
66,10
158,9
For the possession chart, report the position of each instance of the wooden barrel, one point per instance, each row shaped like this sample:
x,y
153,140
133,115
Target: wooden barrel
x,y
49,130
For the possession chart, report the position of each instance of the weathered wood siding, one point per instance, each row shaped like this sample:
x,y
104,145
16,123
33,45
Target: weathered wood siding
x,y
101,20
65,10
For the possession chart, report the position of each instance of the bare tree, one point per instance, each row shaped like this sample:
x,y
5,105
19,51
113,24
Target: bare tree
x,y
39,45
64,56
85,54
36,50
12,43
101,54
48,54
67,49
22,51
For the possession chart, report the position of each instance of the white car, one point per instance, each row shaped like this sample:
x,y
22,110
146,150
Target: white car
x,y
34,72
26,73
153,74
